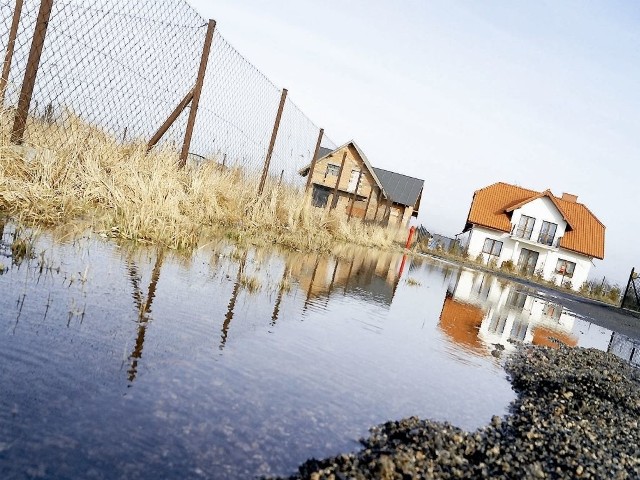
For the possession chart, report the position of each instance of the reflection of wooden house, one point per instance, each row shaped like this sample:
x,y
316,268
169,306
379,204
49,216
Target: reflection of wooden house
x,y
363,274
345,180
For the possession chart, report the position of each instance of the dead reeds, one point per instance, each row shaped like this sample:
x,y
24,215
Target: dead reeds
x,y
71,170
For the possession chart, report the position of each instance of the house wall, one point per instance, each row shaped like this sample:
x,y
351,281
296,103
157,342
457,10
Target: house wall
x,y
542,209
366,188
547,257
367,203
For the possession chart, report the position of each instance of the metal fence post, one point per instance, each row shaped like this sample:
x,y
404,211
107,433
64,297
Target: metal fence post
x,y
29,81
274,134
8,56
196,93
313,160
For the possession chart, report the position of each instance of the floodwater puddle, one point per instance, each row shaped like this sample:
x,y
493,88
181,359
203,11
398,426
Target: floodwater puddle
x,y
122,362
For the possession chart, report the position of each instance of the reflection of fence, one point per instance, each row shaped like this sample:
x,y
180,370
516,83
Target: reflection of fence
x,y
625,348
129,68
631,296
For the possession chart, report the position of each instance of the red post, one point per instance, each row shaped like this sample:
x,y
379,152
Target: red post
x,y
412,230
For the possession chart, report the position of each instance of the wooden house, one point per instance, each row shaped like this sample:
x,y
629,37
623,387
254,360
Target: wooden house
x,y
344,179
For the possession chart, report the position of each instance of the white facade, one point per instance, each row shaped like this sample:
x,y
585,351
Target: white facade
x,y
552,262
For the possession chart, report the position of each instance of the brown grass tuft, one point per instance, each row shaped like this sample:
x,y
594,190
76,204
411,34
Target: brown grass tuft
x,y
74,171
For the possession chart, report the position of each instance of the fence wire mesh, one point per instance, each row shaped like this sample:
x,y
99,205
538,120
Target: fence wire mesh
x,y
631,295
625,347
122,67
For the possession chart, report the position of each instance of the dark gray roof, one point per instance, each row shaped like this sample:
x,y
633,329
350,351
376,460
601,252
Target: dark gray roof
x,y
400,188
323,151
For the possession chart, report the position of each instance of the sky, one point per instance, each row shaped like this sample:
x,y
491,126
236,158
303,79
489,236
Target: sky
x,y
540,94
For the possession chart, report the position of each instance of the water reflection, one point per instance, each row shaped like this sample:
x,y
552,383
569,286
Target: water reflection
x,y
481,312
245,363
143,307
372,276
232,301
625,348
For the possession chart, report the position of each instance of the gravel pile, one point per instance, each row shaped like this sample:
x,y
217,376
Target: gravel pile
x,y
576,416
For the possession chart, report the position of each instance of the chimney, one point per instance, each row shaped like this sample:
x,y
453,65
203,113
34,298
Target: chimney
x,y
569,197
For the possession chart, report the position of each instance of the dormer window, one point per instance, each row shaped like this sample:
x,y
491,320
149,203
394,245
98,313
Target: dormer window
x,y
547,233
525,227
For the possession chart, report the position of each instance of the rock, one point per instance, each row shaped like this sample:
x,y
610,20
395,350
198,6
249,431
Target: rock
x,y
575,416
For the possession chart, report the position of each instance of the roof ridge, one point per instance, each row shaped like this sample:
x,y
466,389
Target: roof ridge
x,y
398,173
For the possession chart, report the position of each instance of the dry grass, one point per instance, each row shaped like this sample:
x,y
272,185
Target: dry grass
x,y
74,171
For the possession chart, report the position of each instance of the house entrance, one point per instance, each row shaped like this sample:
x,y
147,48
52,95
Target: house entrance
x,y
527,261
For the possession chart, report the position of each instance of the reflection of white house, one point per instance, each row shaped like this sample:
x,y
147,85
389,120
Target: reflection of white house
x,y
483,310
540,233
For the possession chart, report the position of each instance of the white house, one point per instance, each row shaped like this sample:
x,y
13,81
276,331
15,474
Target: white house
x,y
556,237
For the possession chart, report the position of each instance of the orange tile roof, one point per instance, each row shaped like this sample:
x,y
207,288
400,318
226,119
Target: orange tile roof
x,y
461,322
491,206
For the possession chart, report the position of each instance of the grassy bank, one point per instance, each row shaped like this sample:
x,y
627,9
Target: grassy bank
x,y
72,171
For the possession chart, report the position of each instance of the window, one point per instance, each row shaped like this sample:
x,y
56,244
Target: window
x,y
332,170
547,233
525,227
565,268
527,261
552,310
492,247
320,196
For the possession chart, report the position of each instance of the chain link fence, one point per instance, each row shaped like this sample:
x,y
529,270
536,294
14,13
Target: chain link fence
x,y
631,295
124,67
625,347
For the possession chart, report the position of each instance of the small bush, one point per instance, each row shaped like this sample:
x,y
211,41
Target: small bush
x,y
508,266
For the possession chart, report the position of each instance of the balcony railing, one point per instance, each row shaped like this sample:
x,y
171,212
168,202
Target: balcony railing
x,y
522,232
543,239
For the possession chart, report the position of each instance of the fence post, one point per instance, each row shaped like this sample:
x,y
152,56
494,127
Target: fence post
x,y
366,208
353,197
630,283
313,160
31,70
8,56
274,134
334,199
170,119
412,230
196,93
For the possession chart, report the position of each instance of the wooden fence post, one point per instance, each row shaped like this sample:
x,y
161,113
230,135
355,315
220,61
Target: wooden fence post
x,y
366,209
196,93
170,119
31,70
274,134
353,197
313,160
334,199
8,56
